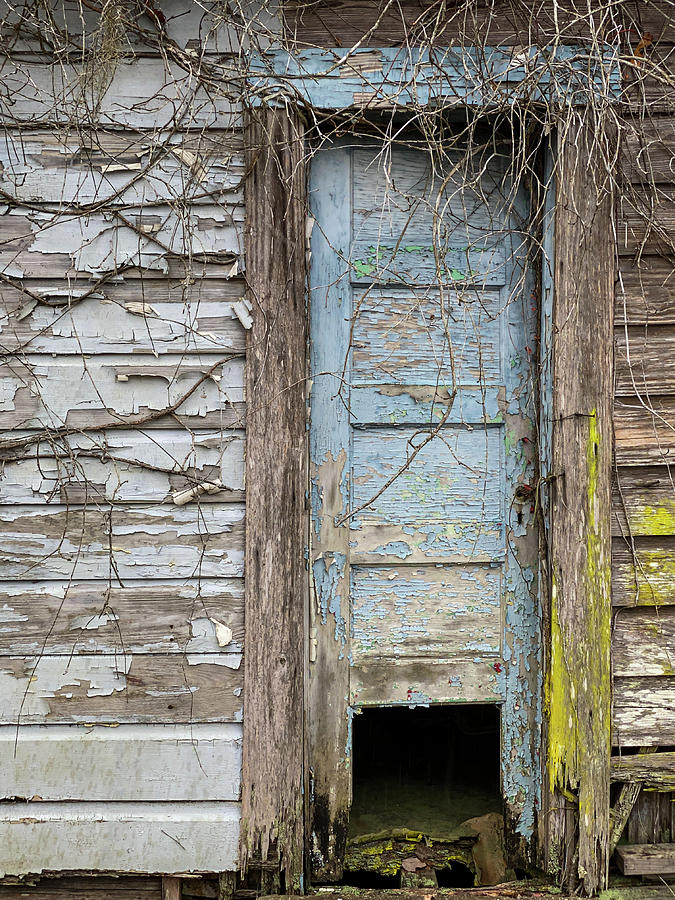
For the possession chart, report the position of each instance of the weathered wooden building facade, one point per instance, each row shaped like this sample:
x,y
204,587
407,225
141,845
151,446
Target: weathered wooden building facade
x,y
338,405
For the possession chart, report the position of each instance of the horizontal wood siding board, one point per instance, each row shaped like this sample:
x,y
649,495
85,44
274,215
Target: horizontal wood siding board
x,y
84,888
643,572
648,150
420,682
644,429
40,391
645,292
646,859
643,642
193,687
41,316
121,466
655,771
142,616
457,76
643,712
645,364
146,837
131,762
131,542
646,221
643,502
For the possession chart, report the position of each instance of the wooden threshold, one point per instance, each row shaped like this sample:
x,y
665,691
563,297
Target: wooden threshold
x,y
646,859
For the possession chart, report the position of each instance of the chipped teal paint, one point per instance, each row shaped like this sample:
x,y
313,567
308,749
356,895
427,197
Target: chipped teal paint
x,y
440,563
449,77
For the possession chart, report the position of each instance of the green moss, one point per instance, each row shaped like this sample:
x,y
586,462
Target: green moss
x,y
654,520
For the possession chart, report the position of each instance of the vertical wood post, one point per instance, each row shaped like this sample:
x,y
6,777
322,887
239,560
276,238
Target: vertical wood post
x,y
578,684
276,477
171,888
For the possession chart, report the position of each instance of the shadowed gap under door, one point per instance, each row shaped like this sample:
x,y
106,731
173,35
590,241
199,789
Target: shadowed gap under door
x,y
420,775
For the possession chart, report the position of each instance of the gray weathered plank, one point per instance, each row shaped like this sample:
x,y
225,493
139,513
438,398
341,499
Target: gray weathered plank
x,y
646,221
276,482
424,612
144,316
146,837
127,542
579,532
125,466
144,93
643,641
143,616
645,292
131,762
644,430
656,771
421,682
646,859
644,712
41,392
646,364
194,687
47,242
121,169
648,154
643,502
84,888
643,574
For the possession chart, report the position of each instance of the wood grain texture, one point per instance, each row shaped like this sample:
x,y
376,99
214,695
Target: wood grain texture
x,y
194,687
643,501
57,542
652,820
578,683
645,363
645,292
417,682
646,859
656,771
142,616
84,888
146,837
644,430
130,762
643,641
644,712
276,481
648,153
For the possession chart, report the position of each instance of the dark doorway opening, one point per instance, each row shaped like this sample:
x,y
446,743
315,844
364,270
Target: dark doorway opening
x,y
428,769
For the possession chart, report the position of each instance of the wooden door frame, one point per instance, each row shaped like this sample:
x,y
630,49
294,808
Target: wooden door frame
x,y
574,823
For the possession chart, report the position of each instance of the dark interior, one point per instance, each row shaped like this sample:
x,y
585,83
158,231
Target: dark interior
x,y
424,768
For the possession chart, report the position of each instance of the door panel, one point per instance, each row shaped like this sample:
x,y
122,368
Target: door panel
x,y
423,546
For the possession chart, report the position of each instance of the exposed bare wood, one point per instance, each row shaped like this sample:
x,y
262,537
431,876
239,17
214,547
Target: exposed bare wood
x,y
646,859
652,820
199,687
619,813
643,502
578,673
644,430
645,292
643,641
656,771
276,477
61,617
648,150
644,712
171,888
642,572
84,888
646,365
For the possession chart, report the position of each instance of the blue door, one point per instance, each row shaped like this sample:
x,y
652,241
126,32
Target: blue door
x,y
423,544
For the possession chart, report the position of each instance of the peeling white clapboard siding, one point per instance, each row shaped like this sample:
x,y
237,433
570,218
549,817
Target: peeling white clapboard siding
x,y
159,762
193,687
142,616
123,837
42,243
127,542
643,712
41,391
123,466
64,323
124,168
143,93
